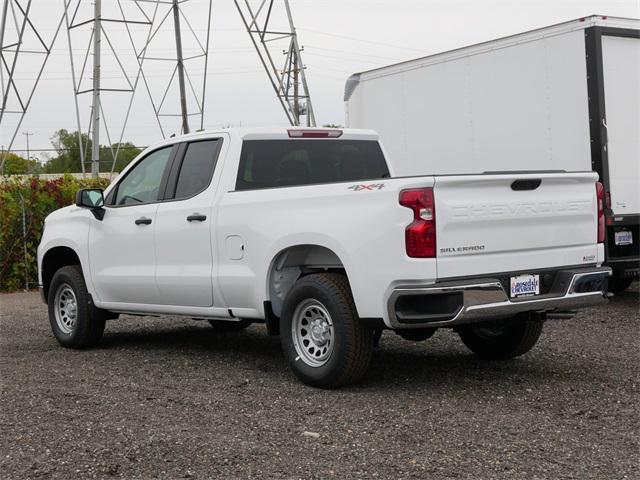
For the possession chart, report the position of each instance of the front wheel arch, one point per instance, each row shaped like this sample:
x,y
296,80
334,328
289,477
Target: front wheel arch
x,y
53,260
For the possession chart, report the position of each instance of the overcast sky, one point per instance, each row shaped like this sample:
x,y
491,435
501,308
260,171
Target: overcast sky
x,y
340,37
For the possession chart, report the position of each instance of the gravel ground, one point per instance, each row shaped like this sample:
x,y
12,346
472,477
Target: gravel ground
x,y
171,398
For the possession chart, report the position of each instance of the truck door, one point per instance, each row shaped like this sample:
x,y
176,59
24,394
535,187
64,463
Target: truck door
x,y
121,246
183,237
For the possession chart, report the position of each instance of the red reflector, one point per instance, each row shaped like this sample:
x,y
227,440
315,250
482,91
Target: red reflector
x,y
601,222
298,133
420,235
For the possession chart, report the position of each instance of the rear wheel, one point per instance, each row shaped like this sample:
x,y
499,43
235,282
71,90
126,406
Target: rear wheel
x,y
619,284
501,339
322,338
75,322
228,326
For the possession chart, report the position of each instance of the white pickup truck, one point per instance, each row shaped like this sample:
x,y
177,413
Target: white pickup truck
x,y
308,231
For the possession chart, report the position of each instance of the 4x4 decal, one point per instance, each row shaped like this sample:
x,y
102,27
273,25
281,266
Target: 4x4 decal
x,y
367,186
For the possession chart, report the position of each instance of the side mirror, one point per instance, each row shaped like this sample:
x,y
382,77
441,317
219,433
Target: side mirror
x,y
93,199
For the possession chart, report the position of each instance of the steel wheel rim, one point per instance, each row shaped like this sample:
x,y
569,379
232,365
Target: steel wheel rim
x,y
65,307
312,332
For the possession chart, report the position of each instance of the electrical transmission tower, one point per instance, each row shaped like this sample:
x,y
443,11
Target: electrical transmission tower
x,y
159,20
289,82
22,45
191,53
87,22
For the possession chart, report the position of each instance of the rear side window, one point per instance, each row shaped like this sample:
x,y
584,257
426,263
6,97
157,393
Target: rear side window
x,y
282,163
197,168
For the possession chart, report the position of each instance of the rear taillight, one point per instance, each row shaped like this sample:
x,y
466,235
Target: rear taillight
x,y
601,223
420,235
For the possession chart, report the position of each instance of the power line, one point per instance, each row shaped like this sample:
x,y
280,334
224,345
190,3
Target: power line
x,y
68,149
373,42
335,57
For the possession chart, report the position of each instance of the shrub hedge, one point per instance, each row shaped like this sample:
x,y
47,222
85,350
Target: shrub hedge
x,y
39,198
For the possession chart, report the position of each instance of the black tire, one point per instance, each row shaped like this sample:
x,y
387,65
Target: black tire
x,y
88,324
619,284
501,339
351,343
235,326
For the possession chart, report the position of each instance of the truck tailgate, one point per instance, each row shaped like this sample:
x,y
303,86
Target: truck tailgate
x,y
494,223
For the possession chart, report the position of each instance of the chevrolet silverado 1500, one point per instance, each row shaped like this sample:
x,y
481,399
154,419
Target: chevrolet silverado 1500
x,y
308,231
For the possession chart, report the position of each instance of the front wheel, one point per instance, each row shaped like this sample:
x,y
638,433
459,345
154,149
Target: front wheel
x,y
322,338
74,321
501,339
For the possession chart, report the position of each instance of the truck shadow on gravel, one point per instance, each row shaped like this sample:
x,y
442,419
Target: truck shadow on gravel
x,y
438,362
630,296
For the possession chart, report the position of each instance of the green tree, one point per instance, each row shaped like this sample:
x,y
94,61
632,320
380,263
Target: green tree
x,y
67,146
67,160
127,152
15,164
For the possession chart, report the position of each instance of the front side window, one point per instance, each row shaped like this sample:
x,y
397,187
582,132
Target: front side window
x,y
142,183
282,163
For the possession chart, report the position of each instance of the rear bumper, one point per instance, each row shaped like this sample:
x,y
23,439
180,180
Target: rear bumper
x,y
455,303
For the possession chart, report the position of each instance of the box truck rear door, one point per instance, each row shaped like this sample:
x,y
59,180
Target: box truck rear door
x,y
621,65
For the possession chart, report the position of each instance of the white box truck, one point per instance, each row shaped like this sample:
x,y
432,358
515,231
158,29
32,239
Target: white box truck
x,y
564,97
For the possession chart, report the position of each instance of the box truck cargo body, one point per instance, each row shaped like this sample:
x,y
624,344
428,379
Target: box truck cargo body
x,y
564,97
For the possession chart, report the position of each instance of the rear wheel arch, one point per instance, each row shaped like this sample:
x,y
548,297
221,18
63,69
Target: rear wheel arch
x,y
294,262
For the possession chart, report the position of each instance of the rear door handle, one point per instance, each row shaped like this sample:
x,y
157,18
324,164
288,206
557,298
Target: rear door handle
x,y
196,217
143,221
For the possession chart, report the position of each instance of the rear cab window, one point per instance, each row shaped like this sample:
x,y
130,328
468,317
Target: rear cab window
x,y
196,168
286,163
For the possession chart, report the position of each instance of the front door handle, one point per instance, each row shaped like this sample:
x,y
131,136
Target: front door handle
x,y
143,221
196,217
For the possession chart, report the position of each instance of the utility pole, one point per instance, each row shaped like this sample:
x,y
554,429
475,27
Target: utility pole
x,y
183,95
296,99
28,134
95,107
299,69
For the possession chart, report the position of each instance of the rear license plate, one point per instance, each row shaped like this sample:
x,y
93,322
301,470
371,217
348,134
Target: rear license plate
x,y
523,285
623,238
